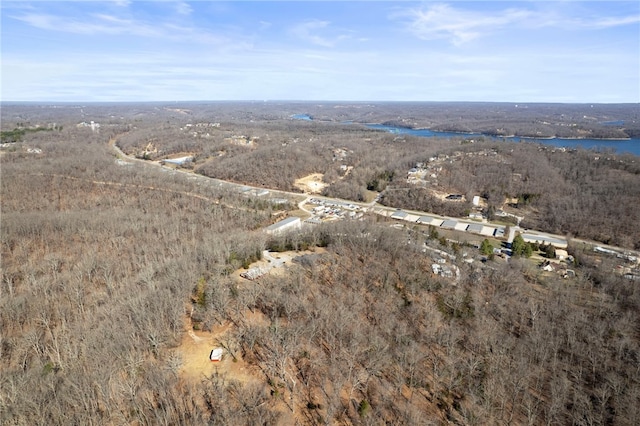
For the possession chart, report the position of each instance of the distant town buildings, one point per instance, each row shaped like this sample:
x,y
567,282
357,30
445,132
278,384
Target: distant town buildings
x,y
95,127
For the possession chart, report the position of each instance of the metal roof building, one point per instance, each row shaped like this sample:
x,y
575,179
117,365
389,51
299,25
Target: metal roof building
x,y
289,223
449,224
543,239
429,220
488,231
461,226
399,214
476,228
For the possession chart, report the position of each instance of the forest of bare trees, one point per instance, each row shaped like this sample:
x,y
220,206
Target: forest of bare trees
x,y
578,193
106,265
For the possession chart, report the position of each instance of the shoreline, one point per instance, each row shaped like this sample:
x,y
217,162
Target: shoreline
x,y
545,138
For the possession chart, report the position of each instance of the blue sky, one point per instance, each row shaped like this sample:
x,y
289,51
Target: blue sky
x,y
526,51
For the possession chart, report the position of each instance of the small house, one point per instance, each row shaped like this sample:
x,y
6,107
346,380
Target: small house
x,y
562,254
216,355
547,266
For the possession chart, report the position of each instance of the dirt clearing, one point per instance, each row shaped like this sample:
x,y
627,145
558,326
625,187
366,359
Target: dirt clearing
x,y
311,184
197,345
194,354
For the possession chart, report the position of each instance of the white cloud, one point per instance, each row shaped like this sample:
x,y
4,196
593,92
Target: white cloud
x,y
592,22
314,74
100,24
459,26
183,8
97,24
319,33
178,59
307,31
265,25
441,21
609,22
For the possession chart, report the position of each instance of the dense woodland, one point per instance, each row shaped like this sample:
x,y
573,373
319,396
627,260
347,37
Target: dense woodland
x,y
577,193
105,266
580,194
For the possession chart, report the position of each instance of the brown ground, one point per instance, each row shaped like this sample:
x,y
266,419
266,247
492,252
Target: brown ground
x,y
442,196
311,184
196,346
194,352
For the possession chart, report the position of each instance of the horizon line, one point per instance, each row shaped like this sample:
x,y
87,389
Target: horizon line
x,y
49,102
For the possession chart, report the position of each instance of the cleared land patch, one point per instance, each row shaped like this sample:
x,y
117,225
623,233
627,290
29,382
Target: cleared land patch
x,y
311,184
196,346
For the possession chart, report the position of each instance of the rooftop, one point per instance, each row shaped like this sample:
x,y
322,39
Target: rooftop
x,y
449,224
283,223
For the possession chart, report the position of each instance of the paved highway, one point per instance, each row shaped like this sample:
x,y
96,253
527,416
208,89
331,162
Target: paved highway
x,y
302,199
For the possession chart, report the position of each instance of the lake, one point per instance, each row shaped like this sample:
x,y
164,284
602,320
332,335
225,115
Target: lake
x,y
630,146
305,117
623,146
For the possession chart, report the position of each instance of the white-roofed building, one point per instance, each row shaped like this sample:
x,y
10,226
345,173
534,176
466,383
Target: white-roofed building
x,y
461,226
429,220
288,224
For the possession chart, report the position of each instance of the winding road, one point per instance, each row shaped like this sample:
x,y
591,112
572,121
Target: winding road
x,y
303,199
